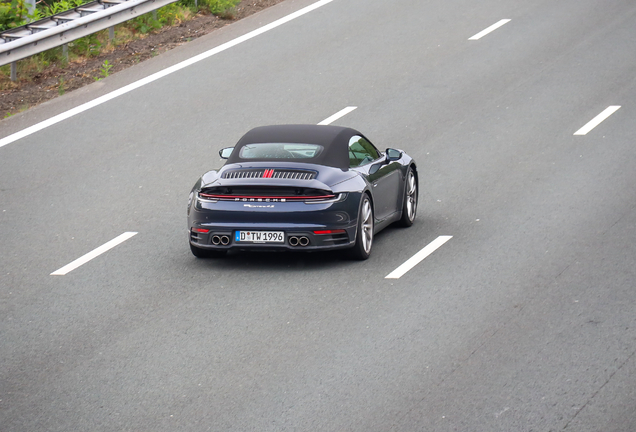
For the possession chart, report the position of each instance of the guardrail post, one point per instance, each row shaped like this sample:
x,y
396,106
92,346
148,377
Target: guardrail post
x,y
30,8
14,71
111,33
65,52
154,14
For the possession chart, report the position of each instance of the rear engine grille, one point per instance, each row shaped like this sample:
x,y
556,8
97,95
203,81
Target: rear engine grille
x,y
270,173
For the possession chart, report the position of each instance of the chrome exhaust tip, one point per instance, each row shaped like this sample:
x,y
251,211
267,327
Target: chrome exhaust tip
x,y
216,240
225,240
293,241
303,241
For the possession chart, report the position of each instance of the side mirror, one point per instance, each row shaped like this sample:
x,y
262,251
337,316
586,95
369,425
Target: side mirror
x,y
226,152
392,155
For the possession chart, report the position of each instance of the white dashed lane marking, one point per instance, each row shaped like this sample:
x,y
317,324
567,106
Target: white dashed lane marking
x,y
490,29
597,120
93,254
418,257
336,116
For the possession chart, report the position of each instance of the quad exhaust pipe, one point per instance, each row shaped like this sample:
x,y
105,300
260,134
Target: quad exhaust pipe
x,y
224,240
220,240
298,241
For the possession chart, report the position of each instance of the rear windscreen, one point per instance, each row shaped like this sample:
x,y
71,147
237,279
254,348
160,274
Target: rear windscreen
x,y
280,151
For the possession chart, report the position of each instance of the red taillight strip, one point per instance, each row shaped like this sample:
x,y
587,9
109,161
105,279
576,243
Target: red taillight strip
x,y
201,230
338,231
240,197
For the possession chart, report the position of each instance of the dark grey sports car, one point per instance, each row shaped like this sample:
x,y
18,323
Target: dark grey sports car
x,y
301,187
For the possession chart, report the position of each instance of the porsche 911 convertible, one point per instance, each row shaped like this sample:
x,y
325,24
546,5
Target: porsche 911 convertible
x,y
301,188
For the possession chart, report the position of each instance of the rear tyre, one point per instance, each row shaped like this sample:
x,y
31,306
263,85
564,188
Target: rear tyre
x,y
409,207
364,234
204,253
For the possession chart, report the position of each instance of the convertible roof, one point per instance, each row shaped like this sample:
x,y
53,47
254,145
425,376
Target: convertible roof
x,y
334,139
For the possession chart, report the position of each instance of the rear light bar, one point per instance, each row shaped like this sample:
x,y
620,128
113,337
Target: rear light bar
x,y
265,198
337,231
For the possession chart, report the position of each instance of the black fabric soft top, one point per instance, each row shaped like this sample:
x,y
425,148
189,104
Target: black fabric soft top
x,y
334,139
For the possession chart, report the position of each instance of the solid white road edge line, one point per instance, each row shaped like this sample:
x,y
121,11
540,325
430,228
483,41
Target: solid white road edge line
x,y
597,120
490,29
93,254
147,80
418,257
336,116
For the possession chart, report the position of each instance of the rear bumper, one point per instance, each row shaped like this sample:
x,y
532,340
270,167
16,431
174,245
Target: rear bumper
x,y
296,238
213,226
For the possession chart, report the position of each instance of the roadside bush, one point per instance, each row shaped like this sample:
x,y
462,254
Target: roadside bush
x,y
145,23
219,6
215,7
169,15
173,14
88,46
12,14
45,9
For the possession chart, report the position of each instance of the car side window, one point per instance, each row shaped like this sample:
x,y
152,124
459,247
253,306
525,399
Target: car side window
x,y
361,151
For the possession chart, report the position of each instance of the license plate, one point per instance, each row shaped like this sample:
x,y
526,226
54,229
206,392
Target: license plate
x,y
259,236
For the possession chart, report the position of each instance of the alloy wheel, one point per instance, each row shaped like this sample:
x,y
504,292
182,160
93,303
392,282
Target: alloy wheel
x,y
411,196
367,226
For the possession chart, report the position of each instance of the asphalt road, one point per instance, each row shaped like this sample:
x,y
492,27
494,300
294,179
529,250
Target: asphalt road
x,y
525,320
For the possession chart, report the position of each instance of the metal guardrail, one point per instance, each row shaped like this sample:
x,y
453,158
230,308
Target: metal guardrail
x,y
36,37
